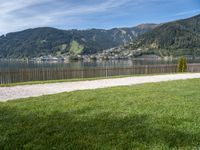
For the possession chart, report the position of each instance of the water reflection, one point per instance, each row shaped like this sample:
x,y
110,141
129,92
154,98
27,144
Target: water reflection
x,y
83,64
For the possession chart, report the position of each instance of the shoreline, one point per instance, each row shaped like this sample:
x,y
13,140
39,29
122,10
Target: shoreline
x,y
90,60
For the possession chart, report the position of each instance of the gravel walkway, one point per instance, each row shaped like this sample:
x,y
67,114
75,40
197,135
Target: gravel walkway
x,y
25,91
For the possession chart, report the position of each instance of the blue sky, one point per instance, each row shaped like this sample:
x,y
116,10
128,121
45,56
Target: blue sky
x,y
18,15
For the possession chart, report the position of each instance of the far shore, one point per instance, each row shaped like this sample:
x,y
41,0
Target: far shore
x,y
83,58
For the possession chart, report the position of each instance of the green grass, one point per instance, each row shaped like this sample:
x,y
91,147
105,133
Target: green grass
x,y
76,48
151,116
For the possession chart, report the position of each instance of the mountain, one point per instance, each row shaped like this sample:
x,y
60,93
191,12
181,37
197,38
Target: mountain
x,y
50,41
176,38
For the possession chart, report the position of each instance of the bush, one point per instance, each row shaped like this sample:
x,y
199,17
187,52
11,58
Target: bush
x,y
182,65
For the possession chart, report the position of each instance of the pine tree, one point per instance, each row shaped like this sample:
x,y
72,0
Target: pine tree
x,y
182,65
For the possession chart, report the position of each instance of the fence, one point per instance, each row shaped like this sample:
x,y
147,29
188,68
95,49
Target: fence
x,y
42,74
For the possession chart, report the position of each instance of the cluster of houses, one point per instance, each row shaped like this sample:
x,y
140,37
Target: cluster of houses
x,y
110,54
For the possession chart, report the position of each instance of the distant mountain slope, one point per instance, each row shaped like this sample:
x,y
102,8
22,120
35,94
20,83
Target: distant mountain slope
x,y
45,41
172,39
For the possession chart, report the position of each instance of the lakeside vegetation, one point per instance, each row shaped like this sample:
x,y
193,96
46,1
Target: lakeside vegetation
x,y
72,80
182,65
64,80
151,116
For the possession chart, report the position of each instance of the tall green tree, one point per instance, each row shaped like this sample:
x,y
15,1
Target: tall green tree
x,y
182,65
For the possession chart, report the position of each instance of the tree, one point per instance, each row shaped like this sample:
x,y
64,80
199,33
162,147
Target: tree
x,y
182,65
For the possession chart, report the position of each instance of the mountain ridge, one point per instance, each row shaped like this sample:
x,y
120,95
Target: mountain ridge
x,y
35,42
171,39
176,38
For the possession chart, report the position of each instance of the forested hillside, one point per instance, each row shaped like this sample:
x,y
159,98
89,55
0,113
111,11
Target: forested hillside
x,y
44,41
172,39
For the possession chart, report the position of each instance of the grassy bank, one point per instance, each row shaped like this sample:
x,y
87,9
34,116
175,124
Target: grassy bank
x,y
160,116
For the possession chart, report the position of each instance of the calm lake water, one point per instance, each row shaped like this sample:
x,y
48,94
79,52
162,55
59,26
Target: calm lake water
x,y
83,64
79,64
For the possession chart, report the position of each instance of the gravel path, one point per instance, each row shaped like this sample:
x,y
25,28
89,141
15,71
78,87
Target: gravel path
x,y
16,92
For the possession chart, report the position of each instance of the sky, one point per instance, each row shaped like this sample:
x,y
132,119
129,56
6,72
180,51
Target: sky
x,y
16,15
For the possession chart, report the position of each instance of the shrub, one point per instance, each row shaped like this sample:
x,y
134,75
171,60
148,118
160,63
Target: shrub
x,y
182,65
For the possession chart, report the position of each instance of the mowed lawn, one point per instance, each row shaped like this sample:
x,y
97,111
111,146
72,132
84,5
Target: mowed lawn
x,y
159,115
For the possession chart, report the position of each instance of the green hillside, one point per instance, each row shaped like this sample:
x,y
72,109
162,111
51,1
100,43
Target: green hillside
x,y
50,41
172,39
75,48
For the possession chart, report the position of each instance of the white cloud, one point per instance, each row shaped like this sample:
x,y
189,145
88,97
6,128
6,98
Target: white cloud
x,y
21,14
10,20
188,12
13,5
109,4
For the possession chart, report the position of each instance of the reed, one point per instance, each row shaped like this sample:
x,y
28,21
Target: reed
x,y
42,74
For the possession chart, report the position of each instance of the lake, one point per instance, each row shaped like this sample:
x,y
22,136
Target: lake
x,y
5,64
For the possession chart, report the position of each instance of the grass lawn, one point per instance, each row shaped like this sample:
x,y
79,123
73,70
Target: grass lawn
x,y
151,116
